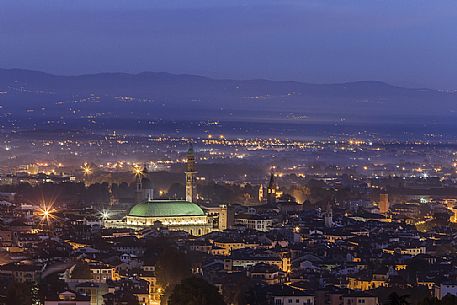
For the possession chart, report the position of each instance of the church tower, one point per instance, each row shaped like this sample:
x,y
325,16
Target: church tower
x,y
328,217
139,182
191,184
271,190
144,189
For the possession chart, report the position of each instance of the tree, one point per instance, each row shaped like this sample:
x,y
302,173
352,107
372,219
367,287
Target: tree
x,y
417,265
50,285
396,299
235,288
172,266
19,294
446,300
449,300
430,301
195,291
256,295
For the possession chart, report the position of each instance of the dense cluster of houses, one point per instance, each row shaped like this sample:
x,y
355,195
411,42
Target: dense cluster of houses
x,y
287,255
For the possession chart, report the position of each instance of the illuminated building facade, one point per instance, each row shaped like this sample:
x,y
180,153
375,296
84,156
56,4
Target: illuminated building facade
x,y
261,193
176,215
383,203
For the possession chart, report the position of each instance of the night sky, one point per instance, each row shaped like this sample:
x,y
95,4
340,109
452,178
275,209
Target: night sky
x,y
403,42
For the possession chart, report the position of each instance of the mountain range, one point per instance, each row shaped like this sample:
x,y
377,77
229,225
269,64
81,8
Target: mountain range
x,y
159,94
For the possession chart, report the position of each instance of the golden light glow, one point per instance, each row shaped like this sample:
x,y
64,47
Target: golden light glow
x,y
87,169
105,214
137,170
453,218
47,213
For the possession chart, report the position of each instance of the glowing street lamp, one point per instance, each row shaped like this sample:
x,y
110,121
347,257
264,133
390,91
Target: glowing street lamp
x,y
104,214
137,171
47,213
87,170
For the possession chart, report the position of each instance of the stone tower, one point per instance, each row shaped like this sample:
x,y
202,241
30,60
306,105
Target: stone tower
x,y
144,188
191,184
328,217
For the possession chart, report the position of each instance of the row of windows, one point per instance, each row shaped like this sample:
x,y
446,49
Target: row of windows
x,y
101,271
360,301
293,301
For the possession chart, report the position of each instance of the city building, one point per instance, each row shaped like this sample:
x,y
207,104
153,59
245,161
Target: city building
x,y
383,203
175,215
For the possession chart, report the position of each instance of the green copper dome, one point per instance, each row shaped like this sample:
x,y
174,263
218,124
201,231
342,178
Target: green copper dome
x,y
166,208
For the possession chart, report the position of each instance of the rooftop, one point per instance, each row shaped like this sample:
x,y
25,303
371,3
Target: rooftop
x,y
166,208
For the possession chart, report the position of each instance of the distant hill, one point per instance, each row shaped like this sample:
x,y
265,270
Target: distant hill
x,y
155,94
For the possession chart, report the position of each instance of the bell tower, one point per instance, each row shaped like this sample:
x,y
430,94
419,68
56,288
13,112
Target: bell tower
x,y
144,189
271,189
191,185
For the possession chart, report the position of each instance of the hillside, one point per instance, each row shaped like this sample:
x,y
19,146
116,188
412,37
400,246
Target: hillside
x,y
153,93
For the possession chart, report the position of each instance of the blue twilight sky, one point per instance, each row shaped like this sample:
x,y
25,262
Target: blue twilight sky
x,y
404,42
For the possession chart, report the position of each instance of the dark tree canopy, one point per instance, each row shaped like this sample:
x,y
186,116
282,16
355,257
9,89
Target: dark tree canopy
x,y
19,294
446,300
240,290
195,291
396,299
172,266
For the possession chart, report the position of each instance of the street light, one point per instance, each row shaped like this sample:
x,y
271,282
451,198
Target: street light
x,y
87,170
104,214
137,171
47,213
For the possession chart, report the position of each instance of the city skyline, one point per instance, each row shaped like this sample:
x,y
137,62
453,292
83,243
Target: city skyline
x,y
243,152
